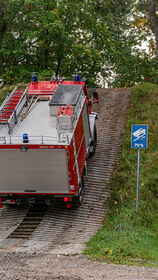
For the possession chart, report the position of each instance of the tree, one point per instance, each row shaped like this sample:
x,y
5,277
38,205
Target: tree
x,y
147,15
153,12
139,63
60,38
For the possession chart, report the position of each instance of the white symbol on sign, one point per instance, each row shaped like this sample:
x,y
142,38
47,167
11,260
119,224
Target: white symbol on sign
x,y
139,145
140,133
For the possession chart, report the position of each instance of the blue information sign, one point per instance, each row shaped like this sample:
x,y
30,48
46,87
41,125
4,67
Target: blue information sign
x,y
139,138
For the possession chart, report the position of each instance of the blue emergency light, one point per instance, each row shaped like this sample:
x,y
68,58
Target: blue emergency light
x,y
25,138
34,78
77,78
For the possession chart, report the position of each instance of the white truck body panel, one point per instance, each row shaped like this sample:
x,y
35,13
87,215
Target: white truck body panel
x,y
86,126
34,171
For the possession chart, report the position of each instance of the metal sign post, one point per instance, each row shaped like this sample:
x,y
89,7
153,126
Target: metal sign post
x,y
139,139
138,165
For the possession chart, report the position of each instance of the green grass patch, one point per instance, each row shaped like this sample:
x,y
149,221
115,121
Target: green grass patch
x,y
4,91
127,236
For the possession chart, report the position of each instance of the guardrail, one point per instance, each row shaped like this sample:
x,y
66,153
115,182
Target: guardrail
x,y
62,139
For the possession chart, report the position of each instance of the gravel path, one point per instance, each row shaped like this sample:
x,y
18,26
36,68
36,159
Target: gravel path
x,y
36,266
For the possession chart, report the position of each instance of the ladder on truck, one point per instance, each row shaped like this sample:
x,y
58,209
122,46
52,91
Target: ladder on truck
x,y
11,107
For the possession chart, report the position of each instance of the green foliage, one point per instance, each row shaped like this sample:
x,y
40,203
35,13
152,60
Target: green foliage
x,y
8,89
93,38
139,62
131,70
64,37
132,236
16,74
4,92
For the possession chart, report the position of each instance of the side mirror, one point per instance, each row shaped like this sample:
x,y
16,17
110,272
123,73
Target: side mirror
x,y
89,103
95,97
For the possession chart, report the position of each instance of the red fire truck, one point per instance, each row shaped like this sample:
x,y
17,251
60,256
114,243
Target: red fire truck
x,y
47,133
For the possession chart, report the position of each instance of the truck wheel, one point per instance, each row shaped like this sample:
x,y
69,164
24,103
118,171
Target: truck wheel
x,y
18,202
93,143
79,198
48,202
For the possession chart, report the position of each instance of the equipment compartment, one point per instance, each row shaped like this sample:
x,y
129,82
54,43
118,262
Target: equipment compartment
x,y
65,118
64,94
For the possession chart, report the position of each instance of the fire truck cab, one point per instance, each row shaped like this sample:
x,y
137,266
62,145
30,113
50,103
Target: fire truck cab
x,y
47,133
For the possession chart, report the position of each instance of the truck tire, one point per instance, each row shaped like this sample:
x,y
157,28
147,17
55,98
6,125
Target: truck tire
x,y
93,143
79,198
18,202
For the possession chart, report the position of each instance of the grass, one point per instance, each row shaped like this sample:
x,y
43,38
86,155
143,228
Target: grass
x,y
127,236
4,91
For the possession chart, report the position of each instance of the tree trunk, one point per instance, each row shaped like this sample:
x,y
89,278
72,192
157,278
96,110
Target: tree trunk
x,y
154,20
3,29
46,53
58,67
3,23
